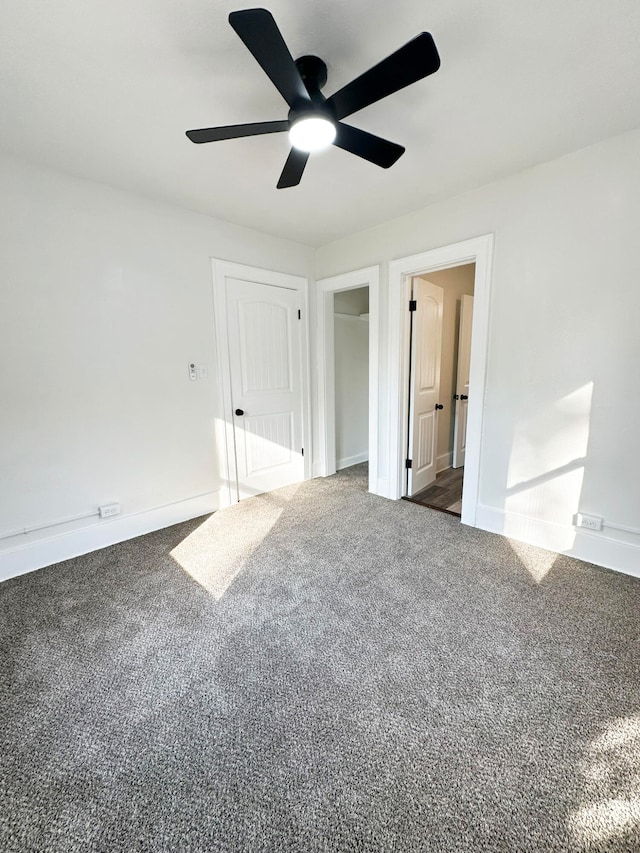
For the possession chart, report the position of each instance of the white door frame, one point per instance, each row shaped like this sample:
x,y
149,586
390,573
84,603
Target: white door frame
x,y
224,435
326,432
478,250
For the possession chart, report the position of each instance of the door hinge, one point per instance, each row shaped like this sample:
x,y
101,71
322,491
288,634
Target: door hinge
x,y
299,315
413,304
408,463
302,451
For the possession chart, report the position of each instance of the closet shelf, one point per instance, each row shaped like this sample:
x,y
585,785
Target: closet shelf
x,y
364,317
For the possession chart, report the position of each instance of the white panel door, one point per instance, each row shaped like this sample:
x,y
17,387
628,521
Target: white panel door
x,y
426,345
462,382
266,385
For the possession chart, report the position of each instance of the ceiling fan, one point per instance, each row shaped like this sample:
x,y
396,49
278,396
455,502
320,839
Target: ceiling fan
x,y
314,121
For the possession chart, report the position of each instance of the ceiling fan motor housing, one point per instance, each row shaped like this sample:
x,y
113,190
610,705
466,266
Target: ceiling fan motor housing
x,y
313,71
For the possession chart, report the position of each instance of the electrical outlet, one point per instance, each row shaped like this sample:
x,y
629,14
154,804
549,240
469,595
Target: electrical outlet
x,y
108,510
589,522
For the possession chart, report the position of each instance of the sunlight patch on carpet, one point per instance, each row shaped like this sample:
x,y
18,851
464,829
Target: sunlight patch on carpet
x,y
535,560
215,553
611,802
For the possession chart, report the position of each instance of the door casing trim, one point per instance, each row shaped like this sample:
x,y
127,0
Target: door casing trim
x,y
478,250
224,435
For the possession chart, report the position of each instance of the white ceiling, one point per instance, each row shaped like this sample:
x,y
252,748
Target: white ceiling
x,y
105,89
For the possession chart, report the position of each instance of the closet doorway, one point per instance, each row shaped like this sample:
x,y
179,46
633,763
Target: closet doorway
x,y
347,358
351,356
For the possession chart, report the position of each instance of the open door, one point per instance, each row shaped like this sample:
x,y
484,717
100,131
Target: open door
x,y
424,387
461,396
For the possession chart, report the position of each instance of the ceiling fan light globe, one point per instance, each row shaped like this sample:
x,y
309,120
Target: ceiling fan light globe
x,y
312,134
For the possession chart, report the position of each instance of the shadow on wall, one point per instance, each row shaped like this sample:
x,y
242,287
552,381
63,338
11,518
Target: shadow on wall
x,y
549,451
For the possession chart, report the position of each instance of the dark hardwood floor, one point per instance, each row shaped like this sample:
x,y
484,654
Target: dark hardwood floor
x,y
445,494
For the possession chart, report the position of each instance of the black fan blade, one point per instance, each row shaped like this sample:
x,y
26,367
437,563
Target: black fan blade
x,y
260,33
417,59
234,131
366,145
293,168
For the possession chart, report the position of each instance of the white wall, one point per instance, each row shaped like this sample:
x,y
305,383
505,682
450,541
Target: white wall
x,y
351,342
562,403
105,298
455,283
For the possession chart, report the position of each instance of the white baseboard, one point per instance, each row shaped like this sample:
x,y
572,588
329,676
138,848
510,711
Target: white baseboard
x,y
444,461
601,548
29,556
347,461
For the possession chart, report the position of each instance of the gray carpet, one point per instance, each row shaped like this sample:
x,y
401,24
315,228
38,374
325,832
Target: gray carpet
x,y
356,675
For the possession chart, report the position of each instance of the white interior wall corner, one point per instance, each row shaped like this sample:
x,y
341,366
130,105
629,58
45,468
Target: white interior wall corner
x,y
89,417
562,336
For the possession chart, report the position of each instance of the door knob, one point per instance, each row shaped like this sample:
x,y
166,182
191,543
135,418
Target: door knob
x,y
239,412
464,396
439,406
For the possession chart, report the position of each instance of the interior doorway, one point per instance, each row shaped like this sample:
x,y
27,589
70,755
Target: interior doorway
x,y
351,354
478,250
441,308
339,306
